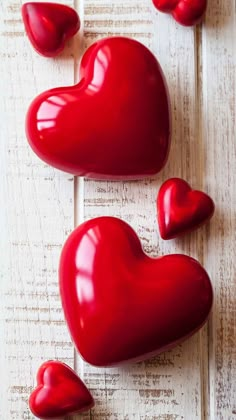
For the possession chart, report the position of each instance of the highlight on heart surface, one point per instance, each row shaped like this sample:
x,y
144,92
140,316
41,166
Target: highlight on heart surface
x,y
181,209
49,26
121,305
114,124
59,392
185,12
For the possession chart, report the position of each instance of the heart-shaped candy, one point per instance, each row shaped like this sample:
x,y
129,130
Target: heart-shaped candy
x,y
185,12
113,124
181,209
59,392
49,25
122,305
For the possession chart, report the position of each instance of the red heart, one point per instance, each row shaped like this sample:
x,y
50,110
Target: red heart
x,y
60,392
49,25
186,12
114,123
181,209
120,304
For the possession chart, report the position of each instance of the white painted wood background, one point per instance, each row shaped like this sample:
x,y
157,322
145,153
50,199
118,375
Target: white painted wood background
x,y
39,206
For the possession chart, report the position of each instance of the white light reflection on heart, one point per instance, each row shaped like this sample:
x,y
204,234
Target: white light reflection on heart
x,y
86,252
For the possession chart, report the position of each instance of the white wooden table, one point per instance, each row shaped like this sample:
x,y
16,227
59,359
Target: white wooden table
x,y
39,207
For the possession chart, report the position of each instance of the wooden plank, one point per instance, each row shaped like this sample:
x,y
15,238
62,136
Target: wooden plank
x,y
36,216
219,168
170,386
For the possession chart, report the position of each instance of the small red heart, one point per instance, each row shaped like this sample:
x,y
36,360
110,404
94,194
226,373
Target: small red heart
x,y
120,304
186,12
181,209
114,123
59,392
49,25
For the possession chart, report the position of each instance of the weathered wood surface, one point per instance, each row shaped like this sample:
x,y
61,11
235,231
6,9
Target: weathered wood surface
x,y
219,168
36,217
40,205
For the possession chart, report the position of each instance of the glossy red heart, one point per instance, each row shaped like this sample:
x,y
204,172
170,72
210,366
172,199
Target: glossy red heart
x,y
185,12
59,392
122,305
49,25
114,123
181,209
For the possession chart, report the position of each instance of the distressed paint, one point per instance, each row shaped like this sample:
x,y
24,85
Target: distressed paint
x,y
36,216
219,127
196,380
168,387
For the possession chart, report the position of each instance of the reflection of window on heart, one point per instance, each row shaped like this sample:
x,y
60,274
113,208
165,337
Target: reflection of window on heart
x,y
68,128
86,251
52,106
100,67
122,305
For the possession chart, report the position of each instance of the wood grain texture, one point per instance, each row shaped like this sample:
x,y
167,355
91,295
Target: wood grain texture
x,y
219,127
170,386
36,216
197,380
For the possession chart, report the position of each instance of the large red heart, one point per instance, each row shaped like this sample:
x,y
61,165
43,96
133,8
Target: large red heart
x,y
114,123
181,209
186,12
59,392
49,25
122,305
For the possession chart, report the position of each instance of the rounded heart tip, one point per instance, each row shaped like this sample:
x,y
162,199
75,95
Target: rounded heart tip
x,y
119,304
49,25
114,124
59,392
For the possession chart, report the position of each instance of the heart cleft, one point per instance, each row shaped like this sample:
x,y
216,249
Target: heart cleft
x,y
185,12
114,124
121,305
59,392
181,209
